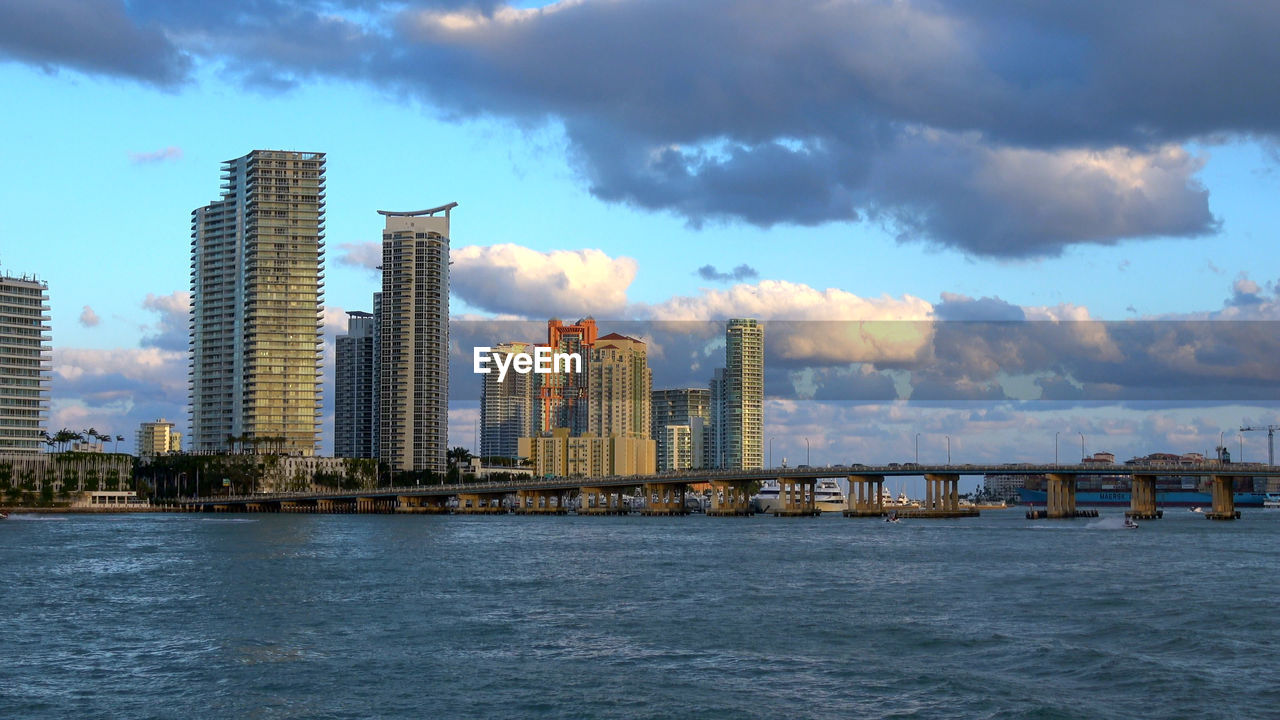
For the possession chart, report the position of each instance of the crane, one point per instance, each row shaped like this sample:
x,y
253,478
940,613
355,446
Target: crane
x,y
1271,440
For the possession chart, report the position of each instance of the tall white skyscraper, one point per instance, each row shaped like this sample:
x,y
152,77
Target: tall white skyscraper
x,y
25,363
742,435
257,299
414,340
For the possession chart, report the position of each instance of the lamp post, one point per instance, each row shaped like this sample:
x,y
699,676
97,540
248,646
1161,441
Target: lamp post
x,y
1220,447
917,448
806,451
1240,457
1081,447
1055,446
948,451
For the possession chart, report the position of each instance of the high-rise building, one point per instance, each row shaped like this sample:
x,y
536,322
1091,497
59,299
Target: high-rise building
x,y
506,407
257,299
158,438
414,340
25,363
619,384
562,397
713,448
377,375
689,408
675,448
742,415
355,386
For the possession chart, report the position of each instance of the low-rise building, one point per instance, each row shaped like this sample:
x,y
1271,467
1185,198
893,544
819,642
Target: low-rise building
x,y
558,454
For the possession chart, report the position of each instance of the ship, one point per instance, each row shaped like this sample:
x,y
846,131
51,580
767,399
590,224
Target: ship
x,y
827,497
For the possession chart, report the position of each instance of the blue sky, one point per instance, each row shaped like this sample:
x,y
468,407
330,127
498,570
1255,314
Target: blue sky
x,y
544,156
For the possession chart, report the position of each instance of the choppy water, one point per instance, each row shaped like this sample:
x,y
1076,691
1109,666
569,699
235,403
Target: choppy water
x,y
314,616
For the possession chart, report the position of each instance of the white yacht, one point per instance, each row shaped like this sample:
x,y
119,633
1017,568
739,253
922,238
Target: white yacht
x,y
827,496
1272,500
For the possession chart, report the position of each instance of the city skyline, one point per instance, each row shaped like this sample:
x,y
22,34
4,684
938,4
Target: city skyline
x,y
1143,209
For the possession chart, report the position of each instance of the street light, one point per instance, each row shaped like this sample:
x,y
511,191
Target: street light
x,y
806,451
1220,447
917,448
770,452
948,450
1055,446
1081,447
1240,457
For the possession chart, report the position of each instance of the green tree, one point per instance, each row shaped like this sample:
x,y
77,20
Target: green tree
x,y
458,456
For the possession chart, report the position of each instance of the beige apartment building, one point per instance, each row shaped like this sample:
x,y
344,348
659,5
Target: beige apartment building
x,y
158,438
619,387
257,299
563,455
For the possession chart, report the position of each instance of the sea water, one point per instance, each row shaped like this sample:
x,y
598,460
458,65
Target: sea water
x,y
353,616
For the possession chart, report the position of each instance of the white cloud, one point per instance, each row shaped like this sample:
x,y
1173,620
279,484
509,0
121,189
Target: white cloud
x,y
807,324
513,279
89,318
367,255
170,332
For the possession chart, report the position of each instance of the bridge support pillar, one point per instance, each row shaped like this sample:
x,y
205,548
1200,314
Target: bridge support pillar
x,y
664,499
375,505
418,504
480,504
1142,498
730,498
601,501
1224,499
340,506
941,498
539,502
866,496
795,498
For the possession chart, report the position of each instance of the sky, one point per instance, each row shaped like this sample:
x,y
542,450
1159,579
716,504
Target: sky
x,y
934,162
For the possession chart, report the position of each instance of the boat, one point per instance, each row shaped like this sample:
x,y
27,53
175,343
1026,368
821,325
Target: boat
x,y
4,516
827,497
1271,501
1129,524
892,517
1196,509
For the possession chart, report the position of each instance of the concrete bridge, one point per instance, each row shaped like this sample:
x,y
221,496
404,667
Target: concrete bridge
x,y
664,493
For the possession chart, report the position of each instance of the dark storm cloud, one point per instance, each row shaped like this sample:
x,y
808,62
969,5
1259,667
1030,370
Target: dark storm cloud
x,y
741,272
95,36
1003,129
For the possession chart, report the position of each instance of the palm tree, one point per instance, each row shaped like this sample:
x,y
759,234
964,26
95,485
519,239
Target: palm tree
x,y
118,439
64,436
458,456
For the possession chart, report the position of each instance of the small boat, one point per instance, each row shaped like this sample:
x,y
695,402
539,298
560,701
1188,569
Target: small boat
x,y
1196,509
4,516
1129,524
892,517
